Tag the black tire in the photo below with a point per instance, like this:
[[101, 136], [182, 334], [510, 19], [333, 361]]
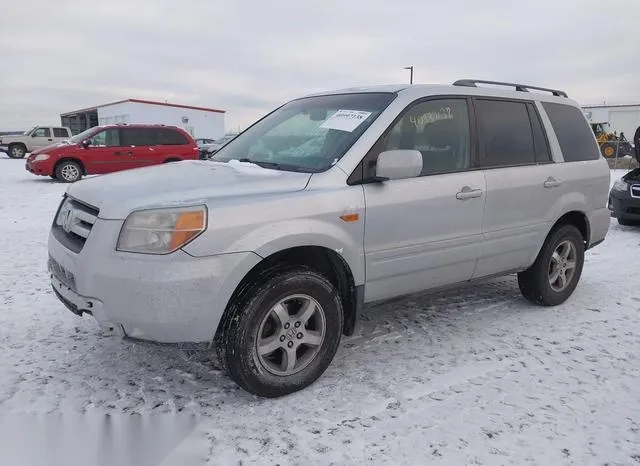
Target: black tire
[[608, 150], [534, 282], [17, 151], [628, 223], [237, 338], [68, 171]]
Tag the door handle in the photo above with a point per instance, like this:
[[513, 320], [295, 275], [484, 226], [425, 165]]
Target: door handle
[[49, 139], [468, 193], [552, 182], [122, 153]]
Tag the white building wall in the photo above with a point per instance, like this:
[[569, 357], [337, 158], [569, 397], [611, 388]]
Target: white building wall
[[621, 119], [198, 123]]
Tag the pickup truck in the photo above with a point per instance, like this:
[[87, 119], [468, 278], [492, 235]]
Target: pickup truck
[[17, 146]]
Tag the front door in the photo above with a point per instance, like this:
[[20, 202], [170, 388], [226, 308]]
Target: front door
[[105, 153], [425, 232], [41, 137]]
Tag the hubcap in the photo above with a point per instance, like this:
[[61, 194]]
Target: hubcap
[[70, 172], [291, 334], [17, 151], [562, 267]]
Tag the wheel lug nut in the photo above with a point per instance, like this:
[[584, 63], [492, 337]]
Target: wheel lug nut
[[287, 325], [282, 338], [299, 335], [298, 324], [290, 344]]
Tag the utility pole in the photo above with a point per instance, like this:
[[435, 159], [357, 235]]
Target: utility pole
[[411, 73]]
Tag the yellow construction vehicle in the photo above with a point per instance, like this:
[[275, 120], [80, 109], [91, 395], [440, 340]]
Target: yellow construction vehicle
[[610, 143]]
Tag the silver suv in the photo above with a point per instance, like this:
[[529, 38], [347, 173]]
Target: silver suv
[[270, 251]]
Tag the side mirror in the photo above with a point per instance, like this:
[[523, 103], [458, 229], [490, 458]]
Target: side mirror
[[399, 164], [86, 143]]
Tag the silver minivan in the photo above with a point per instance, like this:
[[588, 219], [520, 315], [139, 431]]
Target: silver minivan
[[269, 252]]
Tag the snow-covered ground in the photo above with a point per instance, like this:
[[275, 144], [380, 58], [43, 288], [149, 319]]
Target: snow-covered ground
[[473, 376]]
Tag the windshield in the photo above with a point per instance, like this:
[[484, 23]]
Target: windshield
[[28, 132], [86, 134], [308, 135]]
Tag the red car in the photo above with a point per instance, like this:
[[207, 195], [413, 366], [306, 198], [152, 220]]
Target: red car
[[106, 149]]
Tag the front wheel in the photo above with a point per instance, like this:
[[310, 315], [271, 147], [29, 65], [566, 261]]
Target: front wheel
[[282, 333], [555, 274], [68, 171]]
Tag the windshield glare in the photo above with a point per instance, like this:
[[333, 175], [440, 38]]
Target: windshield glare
[[86, 134], [309, 134]]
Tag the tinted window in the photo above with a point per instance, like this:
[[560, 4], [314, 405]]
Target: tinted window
[[170, 137], [574, 134], [107, 138], [42, 133], [543, 154], [439, 129], [60, 133], [139, 137], [505, 132]]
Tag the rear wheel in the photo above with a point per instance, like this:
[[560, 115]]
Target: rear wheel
[[555, 274], [17, 151], [68, 171], [281, 334]]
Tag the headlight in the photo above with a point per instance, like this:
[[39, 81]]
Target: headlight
[[161, 231], [41, 157], [620, 185]]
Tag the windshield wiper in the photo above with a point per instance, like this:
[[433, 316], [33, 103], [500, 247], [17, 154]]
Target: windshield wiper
[[277, 166]]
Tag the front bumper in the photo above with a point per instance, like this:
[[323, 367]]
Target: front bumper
[[176, 298], [37, 168], [622, 205]]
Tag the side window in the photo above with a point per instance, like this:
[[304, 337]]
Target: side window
[[543, 153], [42, 133], [505, 133], [139, 137], [573, 132], [170, 137], [60, 133], [439, 129], [106, 138]]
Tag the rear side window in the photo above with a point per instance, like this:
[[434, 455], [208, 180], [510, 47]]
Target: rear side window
[[505, 133], [60, 133], [139, 137], [170, 137], [574, 134]]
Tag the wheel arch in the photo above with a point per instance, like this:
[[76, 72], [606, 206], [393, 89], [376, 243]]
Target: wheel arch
[[323, 260]]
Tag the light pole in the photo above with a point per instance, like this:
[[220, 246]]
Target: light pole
[[411, 73]]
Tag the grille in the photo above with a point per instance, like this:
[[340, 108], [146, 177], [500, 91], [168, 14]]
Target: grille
[[73, 223], [635, 190]]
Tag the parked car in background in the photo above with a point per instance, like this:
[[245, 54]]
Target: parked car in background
[[106, 149], [624, 198], [205, 145], [269, 252], [18, 146], [215, 146]]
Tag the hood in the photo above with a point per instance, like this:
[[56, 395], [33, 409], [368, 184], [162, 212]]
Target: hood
[[181, 183], [50, 149]]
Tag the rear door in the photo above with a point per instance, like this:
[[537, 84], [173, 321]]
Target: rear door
[[40, 137], [522, 183], [140, 147]]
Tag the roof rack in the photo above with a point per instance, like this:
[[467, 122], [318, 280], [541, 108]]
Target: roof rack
[[519, 87]]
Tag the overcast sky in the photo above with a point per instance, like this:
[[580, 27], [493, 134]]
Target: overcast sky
[[248, 56]]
